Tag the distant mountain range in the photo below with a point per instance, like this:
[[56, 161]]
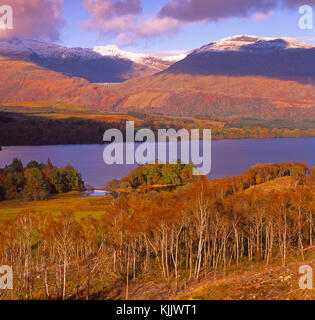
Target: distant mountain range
[[240, 76], [98, 64]]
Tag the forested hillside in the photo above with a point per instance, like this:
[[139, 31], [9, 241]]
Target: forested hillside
[[169, 237]]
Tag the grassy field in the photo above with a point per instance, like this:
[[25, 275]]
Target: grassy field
[[74, 201]]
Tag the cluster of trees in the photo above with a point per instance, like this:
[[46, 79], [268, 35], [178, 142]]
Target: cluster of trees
[[171, 175], [175, 235], [37, 181]]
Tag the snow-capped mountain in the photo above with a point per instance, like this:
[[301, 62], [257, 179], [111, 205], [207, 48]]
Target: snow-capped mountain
[[98, 64], [249, 55], [247, 42], [237, 55]]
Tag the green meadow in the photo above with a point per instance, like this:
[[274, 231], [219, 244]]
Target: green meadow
[[73, 201]]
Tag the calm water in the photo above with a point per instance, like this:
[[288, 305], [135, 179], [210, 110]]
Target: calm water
[[229, 157]]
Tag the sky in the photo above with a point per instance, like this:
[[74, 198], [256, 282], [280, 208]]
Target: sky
[[154, 25]]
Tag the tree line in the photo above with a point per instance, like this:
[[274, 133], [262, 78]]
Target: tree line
[[19, 129]]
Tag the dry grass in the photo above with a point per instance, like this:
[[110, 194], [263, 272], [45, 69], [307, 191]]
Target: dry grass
[[261, 283], [280, 184], [249, 281]]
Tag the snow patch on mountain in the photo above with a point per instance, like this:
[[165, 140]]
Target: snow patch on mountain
[[138, 57]]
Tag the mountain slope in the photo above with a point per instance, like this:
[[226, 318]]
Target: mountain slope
[[241, 76], [23, 81], [220, 97]]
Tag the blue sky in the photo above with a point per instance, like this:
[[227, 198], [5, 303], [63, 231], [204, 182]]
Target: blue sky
[[189, 36], [72, 35], [154, 25]]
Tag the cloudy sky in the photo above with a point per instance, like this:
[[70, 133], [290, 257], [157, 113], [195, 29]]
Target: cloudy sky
[[154, 25]]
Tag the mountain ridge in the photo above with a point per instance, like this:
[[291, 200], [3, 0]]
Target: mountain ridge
[[248, 81], [97, 64]]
